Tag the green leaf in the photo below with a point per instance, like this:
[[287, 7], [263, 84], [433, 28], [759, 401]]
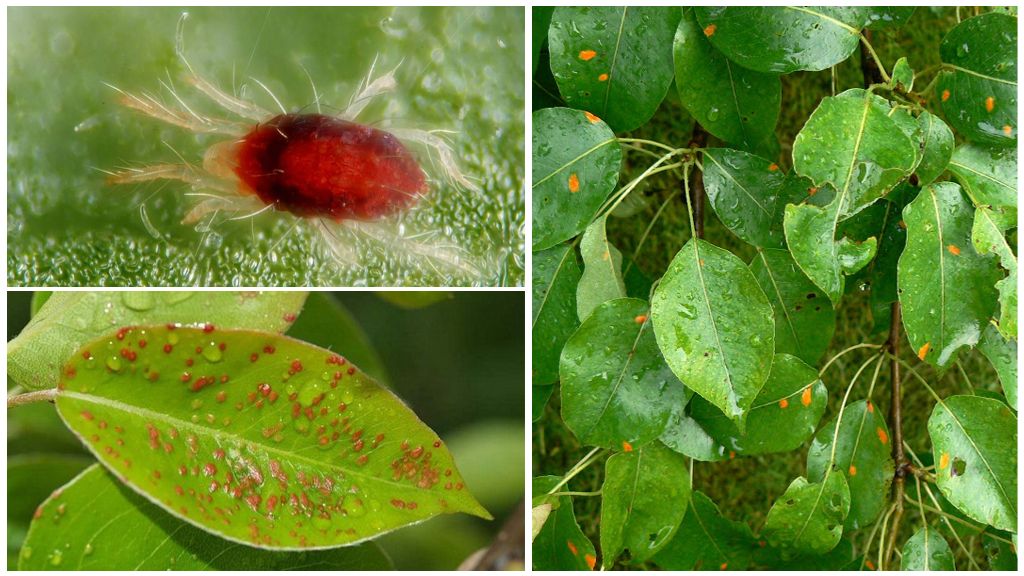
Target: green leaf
[[541, 21], [95, 523], [975, 446], [616, 388], [227, 422], [686, 436], [707, 540], [784, 415], [644, 498], [946, 287], [1001, 555], [987, 174], [576, 161], [851, 142], [927, 550], [412, 300], [937, 151], [1002, 353], [888, 16], [811, 235], [540, 396], [784, 39], [715, 327], [989, 236], [862, 454], [326, 323], [602, 272], [978, 85], [69, 319], [808, 517], [747, 194], [555, 276], [560, 544], [734, 104], [804, 318], [615, 62], [903, 75]]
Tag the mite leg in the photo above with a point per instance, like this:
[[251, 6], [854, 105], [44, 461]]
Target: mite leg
[[242, 108], [152, 107], [443, 151], [339, 241], [213, 203], [443, 258], [368, 90]]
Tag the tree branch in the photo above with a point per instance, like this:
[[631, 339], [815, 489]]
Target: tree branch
[[896, 428]]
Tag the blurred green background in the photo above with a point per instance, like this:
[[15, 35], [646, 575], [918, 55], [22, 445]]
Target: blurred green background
[[464, 378], [462, 70]]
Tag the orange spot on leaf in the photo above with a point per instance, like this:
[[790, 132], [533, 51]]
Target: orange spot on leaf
[[990, 104], [783, 403], [953, 249], [944, 461], [574, 183], [732, 454], [805, 398], [586, 55], [924, 350], [709, 30], [871, 408], [572, 548], [1008, 130], [773, 167], [626, 446], [593, 119], [602, 78], [853, 470], [869, 564], [723, 566], [640, 319], [945, 95], [591, 560], [883, 437], [812, 191]]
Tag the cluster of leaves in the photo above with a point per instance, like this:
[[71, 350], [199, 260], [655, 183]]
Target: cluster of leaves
[[211, 440], [907, 193]]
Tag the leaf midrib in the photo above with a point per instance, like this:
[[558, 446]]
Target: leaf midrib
[[782, 303], [711, 316], [736, 182], [573, 161], [544, 300], [615, 57], [942, 272], [999, 182], [826, 18], [618, 381]]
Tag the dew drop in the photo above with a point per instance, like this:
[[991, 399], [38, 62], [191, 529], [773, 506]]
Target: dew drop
[[88, 550], [114, 364], [57, 557], [138, 301], [212, 353]]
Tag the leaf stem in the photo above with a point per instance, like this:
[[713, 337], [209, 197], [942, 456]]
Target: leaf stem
[[653, 143], [843, 352], [866, 43], [689, 207], [594, 493], [586, 461], [29, 397]]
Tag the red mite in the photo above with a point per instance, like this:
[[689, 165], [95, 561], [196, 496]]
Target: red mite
[[316, 165]]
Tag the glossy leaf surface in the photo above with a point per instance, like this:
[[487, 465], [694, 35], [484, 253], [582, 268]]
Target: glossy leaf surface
[[560, 544], [686, 436], [938, 148], [939, 261], [1002, 354], [615, 62], [808, 517], [327, 323], [989, 237], [735, 104], [69, 319], [903, 75], [715, 327], [804, 318], [112, 528], [811, 233], [888, 16], [783, 416], [851, 142], [602, 270], [643, 500], [576, 161], [975, 446], [258, 438], [927, 550], [616, 388], [978, 86], [746, 192], [987, 174], [707, 540], [862, 454], [784, 39], [555, 276]]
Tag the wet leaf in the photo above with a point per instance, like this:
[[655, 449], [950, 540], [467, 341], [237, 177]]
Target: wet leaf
[[937, 151], [555, 276], [784, 39], [735, 104], [643, 500], [804, 318], [988, 174], [326, 323], [715, 327], [602, 270], [862, 454], [69, 319], [808, 517], [1000, 554], [707, 540], [851, 142], [616, 388], [109, 527], [540, 396], [747, 193], [258, 438], [938, 263], [989, 236], [903, 75], [541, 21], [783, 416], [978, 84], [615, 62], [686, 436], [560, 544], [927, 550], [576, 161], [888, 16], [1002, 353], [974, 441], [811, 233]]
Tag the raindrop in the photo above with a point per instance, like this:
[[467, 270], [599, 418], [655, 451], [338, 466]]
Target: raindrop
[[138, 301]]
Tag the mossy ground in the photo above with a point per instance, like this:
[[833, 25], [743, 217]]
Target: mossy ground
[[745, 488]]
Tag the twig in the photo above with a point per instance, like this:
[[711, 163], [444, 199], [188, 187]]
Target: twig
[[508, 550], [30, 397], [896, 424], [699, 140]]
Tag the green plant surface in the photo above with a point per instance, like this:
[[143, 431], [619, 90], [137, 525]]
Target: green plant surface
[[461, 70], [927, 550]]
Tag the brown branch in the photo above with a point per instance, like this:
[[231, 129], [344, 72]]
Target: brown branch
[[896, 428], [29, 397], [508, 550], [699, 140]]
